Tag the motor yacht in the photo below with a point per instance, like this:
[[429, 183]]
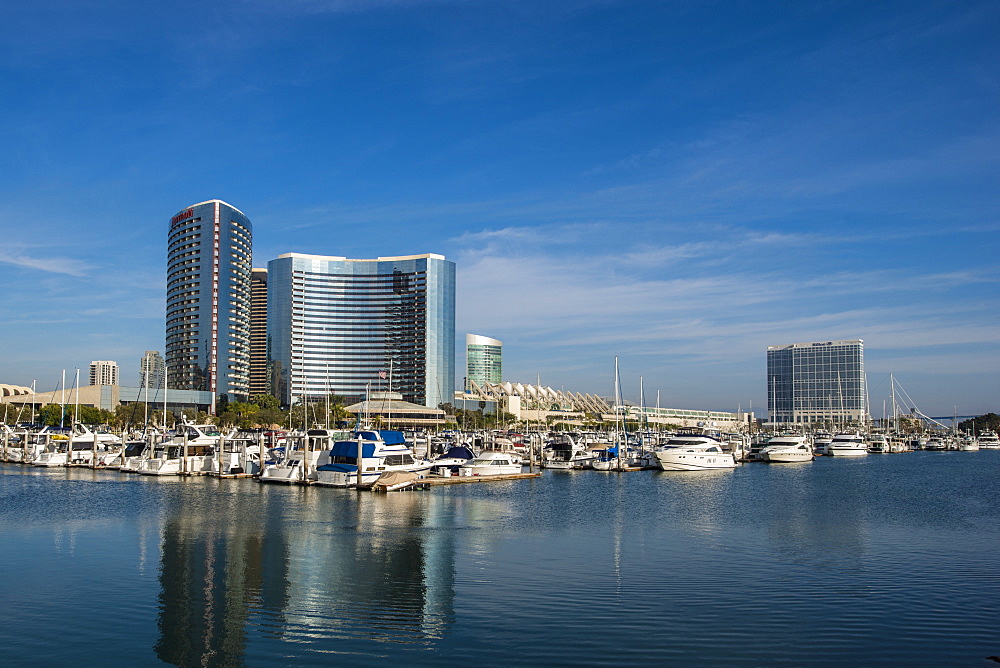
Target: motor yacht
[[449, 462], [787, 449], [935, 443], [989, 440], [564, 452], [821, 443], [490, 463], [190, 450], [848, 444], [297, 458], [878, 444], [381, 451], [968, 444], [694, 452]]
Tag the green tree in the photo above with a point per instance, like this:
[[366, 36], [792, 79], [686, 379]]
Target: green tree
[[990, 421], [266, 401]]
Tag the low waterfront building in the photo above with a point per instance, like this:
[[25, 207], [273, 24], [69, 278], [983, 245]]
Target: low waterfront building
[[13, 390], [388, 410], [110, 397], [536, 404]]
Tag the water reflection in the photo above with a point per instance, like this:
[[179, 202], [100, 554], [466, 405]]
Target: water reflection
[[215, 568], [308, 566]]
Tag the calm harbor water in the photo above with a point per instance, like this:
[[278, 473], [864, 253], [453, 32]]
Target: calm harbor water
[[882, 560]]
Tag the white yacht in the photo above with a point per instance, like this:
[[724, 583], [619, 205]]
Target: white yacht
[[989, 440], [60, 450], [84, 435], [821, 442], [878, 444], [968, 444], [381, 451], [787, 449], [295, 461], [563, 452], [848, 444], [490, 463], [448, 463], [694, 452], [935, 443], [191, 450]]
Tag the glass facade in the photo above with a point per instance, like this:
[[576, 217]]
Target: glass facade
[[817, 383], [483, 359], [208, 300], [337, 325]]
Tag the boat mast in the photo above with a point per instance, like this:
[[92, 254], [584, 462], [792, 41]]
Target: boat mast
[[164, 399], [619, 415], [62, 400]]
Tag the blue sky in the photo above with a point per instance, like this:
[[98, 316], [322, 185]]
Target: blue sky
[[680, 184]]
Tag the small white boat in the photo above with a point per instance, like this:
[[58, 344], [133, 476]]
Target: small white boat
[[848, 444], [391, 481], [490, 463], [694, 452], [787, 449]]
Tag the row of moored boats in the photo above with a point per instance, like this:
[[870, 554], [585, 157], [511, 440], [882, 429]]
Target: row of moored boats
[[372, 457]]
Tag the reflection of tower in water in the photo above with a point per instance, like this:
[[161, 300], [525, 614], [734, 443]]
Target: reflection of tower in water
[[218, 566], [327, 570], [382, 568]]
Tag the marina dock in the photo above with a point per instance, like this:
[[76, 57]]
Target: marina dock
[[459, 480]]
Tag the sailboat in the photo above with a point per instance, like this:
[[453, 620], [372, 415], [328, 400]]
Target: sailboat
[[616, 458]]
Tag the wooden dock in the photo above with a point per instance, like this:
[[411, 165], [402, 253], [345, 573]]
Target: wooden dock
[[460, 480]]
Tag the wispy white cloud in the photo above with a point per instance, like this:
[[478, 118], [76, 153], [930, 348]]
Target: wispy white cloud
[[50, 264]]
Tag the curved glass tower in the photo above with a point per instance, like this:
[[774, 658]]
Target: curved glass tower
[[208, 300], [483, 359], [338, 326]]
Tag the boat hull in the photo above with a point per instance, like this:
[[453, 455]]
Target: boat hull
[[787, 457], [848, 452], [686, 461]]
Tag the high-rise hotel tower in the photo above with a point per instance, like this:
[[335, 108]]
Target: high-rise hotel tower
[[340, 326], [208, 300]]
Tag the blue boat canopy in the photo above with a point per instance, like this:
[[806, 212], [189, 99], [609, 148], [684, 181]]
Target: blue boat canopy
[[350, 449], [392, 437], [459, 452]]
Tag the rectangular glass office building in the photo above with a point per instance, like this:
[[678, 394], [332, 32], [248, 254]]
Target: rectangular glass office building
[[817, 383], [341, 326]]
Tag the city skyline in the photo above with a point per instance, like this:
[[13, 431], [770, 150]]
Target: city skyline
[[678, 185]]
